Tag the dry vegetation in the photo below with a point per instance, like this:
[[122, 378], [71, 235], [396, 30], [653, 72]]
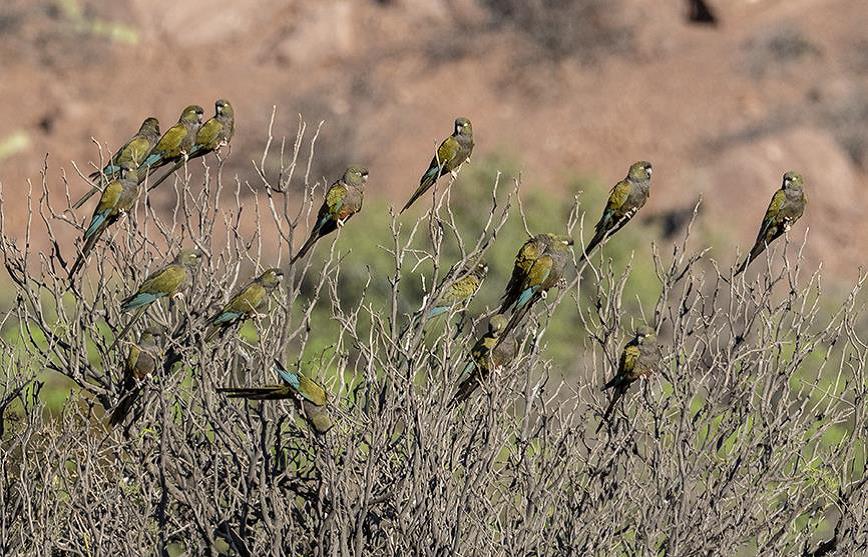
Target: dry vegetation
[[749, 440]]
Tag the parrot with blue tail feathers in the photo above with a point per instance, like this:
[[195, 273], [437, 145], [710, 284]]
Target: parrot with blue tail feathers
[[177, 143], [460, 291], [116, 200], [454, 150], [163, 283], [130, 156], [342, 200], [297, 386], [245, 302]]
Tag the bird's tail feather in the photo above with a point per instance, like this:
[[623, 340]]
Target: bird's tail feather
[[165, 176], [123, 407], [83, 199], [126, 329], [255, 393], [82, 257], [314, 236], [610, 408]]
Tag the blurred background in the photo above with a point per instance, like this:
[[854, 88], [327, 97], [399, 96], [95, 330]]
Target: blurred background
[[722, 96]]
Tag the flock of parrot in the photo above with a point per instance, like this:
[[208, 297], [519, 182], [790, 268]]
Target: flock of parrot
[[540, 263]]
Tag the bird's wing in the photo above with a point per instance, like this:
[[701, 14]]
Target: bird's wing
[[208, 135], [447, 151], [618, 196], [771, 216], [334, 200], [171, 141], [166, 280], [135, 151]]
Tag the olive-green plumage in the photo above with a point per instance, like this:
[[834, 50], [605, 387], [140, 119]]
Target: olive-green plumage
[[454, 150], [211, 136], [785, 208], [342, 200], [116, 199], [306, 392], [177, 142], [538, 266], [494, 349], [626, 198], [131, 155], [165, 282], [640, 357], [460, 291], [142, 361], [245, 302]]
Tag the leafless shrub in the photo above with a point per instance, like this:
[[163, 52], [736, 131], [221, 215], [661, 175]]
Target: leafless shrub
[[729, 446]]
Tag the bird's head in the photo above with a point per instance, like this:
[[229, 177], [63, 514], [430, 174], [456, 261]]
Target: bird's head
[[150, 126], [793, 181], [481, 270], [271, 277], [189, 257], [497, 323], [224, 108], [645, 334], [640, 171], [153, 333], [463, 127], [559, 241], [356, 175], [193, 114], [130, 171]]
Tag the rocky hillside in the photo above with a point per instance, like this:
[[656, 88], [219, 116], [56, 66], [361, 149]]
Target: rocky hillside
[[563, 87]]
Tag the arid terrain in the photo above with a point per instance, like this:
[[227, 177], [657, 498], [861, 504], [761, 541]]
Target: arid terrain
[[564, 89]]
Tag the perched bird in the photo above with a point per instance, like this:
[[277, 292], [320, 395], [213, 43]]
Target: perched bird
[[296, 386], [454, 150], [342, 200], [178, 140], [165, 282], [786, 207], [117, 199], [538, 266], [640, 357], [491, 351], [245, 302], [142, 361], [214, 134], [459, 291], [131, 155], [625, 200]]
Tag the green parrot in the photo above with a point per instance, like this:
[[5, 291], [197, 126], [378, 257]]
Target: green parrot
[[786, 207], [492, 350], [212, 135], [116, 200], [640, 357], [625, 200], [131, 155], [178, 140], [142, 361], [454, 150], [459, 291], [538, 266], [165, 282], [296, 386], [245, 302], [342, 200]]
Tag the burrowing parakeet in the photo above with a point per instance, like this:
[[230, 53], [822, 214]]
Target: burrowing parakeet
[[306, 392], [178, 140], [131, 155], [245, 302], [342, 200], [116, 199], [625, 200], [459, 291], [640, 357], [539, 265], [212, 135], [142, 361], [785, 208], [454, 150], [165, 282], [491, 351]]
